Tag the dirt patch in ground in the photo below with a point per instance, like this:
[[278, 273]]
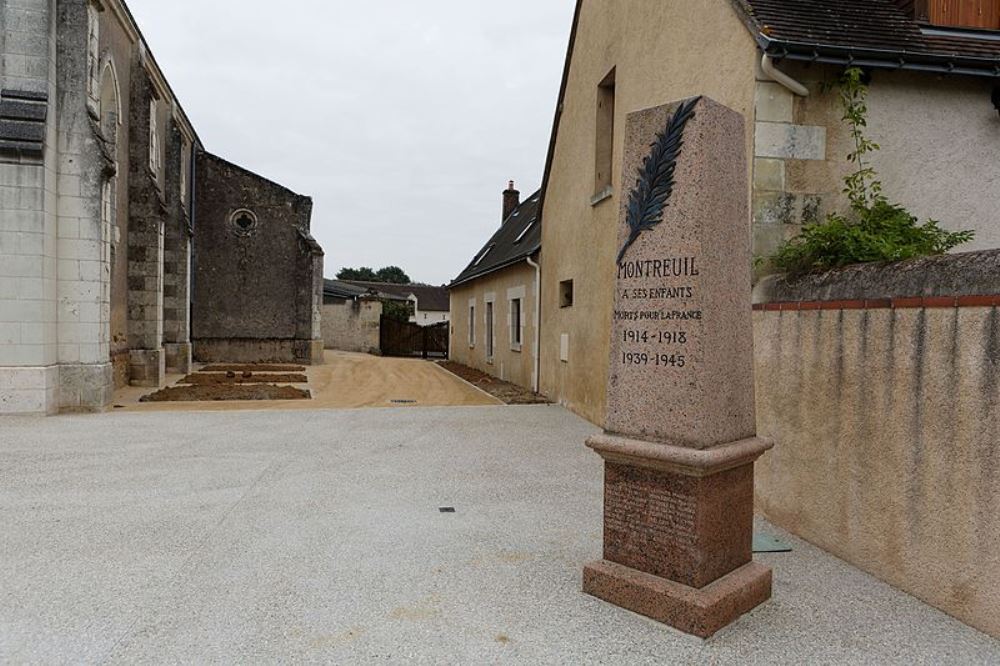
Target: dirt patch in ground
[[212, 378], [252, 367], [220, 392], [512, 394]]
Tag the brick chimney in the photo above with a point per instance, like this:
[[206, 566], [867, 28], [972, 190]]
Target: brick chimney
[[511, 200]]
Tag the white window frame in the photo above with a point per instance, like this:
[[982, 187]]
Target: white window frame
[[93, 52], [515, 329], [490, 327], [185, 170], [154, 139], [472, 323]]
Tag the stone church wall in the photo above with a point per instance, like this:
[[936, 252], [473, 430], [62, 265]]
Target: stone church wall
[[258, 273]]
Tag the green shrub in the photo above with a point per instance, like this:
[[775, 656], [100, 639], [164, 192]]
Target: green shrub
[[874, 229]]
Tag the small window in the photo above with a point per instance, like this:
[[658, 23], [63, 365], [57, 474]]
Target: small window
[[531, 225], [154, 140], [482, 255], [489, 331], [472, 326], [566, 294], [185, 171], [93, 51], [605, 135], [515, 324], [243, 223]]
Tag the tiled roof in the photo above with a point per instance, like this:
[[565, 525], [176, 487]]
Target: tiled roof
[[519, 237], [871, 33]]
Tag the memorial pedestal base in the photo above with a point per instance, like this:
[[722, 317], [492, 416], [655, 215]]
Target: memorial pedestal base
[[678, 532], [698, 612]]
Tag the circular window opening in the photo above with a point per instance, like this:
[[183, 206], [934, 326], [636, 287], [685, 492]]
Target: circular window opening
[[244, 223]]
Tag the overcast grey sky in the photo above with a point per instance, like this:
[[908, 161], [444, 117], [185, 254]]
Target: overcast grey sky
[[402, 119]]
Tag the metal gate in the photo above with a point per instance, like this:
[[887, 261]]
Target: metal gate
[[401, 338]]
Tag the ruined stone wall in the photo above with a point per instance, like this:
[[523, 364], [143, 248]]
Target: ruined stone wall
[[258, 274], [880, 386], [352, 326]]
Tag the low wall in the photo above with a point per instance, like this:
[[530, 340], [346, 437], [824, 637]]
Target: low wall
[[880, 386], [352, 326], [253, 350]]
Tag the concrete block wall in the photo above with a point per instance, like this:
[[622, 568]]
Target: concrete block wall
[[880, 386]]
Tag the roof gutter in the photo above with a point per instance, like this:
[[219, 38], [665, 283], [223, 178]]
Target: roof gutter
[[536, 371], [767, 65], [875, 58]]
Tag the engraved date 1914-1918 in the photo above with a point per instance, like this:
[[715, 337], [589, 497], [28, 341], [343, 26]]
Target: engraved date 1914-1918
[[657, 360], [656, 337]]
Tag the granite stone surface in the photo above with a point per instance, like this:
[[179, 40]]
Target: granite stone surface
[[700, 613], [692, 530], [682, 338], [680, 442]]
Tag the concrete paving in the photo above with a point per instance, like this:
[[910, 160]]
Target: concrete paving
[[316, 536]]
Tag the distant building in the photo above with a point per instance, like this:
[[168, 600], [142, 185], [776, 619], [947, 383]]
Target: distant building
[[119, 234], [933, 101], [428, 304], [494, 301]]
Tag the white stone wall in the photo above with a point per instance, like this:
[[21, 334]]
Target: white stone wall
[[28, 223], [54, 268]]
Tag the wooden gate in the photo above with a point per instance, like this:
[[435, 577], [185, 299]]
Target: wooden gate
[[401, 338]]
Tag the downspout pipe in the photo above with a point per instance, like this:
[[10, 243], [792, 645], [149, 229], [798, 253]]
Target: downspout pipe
[[538, 324], [776, 75]]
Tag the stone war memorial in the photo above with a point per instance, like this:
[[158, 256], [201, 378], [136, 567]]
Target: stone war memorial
[[679, 444]]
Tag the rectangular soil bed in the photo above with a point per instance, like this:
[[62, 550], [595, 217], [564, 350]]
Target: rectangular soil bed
[[512, 394], [213, 378], [253, 367], [221, 392]]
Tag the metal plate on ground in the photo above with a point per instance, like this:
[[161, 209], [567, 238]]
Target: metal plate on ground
[[765, 543]]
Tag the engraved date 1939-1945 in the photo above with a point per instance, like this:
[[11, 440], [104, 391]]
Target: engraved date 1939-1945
[[658, 360]]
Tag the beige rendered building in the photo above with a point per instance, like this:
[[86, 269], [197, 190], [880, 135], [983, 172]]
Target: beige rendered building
[[494, 301], [930, 108]]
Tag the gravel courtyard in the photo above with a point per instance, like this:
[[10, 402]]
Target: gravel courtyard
[[316, 536]]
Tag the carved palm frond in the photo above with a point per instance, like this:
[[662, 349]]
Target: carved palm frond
[[656, 179]]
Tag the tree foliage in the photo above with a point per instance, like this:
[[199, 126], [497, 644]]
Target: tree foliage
[[874, 229], [389, 274]]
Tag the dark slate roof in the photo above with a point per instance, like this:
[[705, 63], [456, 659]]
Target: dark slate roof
[[429, 297], [345, 290], [868, 33], [518, 238]]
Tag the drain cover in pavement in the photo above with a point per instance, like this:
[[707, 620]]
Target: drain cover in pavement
[[403, 402], [446, 509], [764, 543]]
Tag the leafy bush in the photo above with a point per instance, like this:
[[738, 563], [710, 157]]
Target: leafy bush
[[874, 229]]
